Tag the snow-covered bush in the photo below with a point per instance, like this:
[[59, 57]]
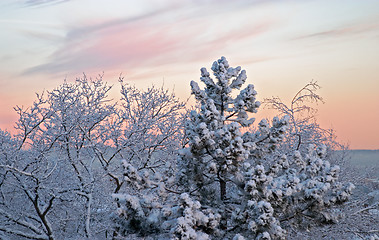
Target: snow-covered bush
[[150, 209]]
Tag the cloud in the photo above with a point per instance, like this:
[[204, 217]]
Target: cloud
[[343, 31], [42, 3], [164, 36], [85, 30]]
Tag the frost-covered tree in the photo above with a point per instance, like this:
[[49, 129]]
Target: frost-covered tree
[[303, 127], [25, 202], [238, 182], [148, 134], [60, 168], [151, 128], [53, 171]]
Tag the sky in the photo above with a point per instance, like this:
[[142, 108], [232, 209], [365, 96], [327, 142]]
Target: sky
[[282, 45]]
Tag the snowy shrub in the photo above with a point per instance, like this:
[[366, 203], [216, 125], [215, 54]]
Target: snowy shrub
[[150, 211]]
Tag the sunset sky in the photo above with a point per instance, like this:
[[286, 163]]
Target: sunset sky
[[282, 45]]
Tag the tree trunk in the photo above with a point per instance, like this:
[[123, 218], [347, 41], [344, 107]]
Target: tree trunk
[[222, 189], [224, 221]]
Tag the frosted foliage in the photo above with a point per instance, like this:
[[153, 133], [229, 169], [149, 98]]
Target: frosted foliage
[[150, 212], [291, 187], [141, 210], [192, 219], [238, 237]]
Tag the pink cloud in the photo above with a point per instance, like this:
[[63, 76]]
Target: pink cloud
[[161, 37]]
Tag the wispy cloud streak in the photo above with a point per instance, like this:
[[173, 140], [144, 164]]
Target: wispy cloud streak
[[145, 40], [42, 3], [343, 31]]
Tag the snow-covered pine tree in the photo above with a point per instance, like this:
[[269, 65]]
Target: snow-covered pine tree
[[216, 145], [233, 185], [261, 185]]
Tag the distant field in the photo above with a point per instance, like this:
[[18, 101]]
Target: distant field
[[364, 158], [366, 162]]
